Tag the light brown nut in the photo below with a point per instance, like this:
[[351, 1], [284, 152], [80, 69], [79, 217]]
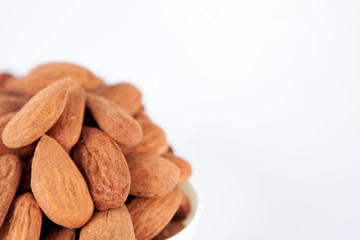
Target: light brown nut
[[3, 78], [141, 115], [11, 103], [58, 186], [10, 84], [46, 74], [151, 215], [153, 142], [37, 116], [174, 227], [125, 95], [60, 233], [183, 165], [152, 176], [24, 185], [108, 225], [23, 152], [23, 221], [184, 208], [67, 129], [104, 168], [113, 120], [10, 173]]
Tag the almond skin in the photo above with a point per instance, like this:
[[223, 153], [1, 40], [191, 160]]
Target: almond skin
[[183, 165], [10, 84], [46, 74], [108, 225], [151, 215], [11, 103], [67, 129], [114, 121], [104, 168], [174, 227], [23, 152], [23, 221], [60, 233], [125, 95], [152, 176], [58, 186], [10, 173], [37, 116], [153, 142]]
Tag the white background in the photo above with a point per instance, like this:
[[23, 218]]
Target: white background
[[262, 97]]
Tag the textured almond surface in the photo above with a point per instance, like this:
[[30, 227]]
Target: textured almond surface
[[113, 120], [46, 74], [125, 95], [109, 225], [58, 186], [184, 208], [11, 103], [152, 176], [60, 233], [23, 152], [23, 221], [10, 173], [170, 230], [67, 129], [153, 142], [104, 167], [183, 165], [151, 215], [37, 116]]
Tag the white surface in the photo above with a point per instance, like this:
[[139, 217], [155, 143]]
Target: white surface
[[262, 97]]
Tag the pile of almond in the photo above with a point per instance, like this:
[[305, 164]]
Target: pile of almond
[[80, 159]]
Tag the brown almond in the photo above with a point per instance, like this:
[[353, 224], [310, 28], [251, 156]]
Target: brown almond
[[10, 84], [152, 176], [60, 233], [37, 116], [113, 120], [108, 225], [10, 173], [11, 103], [67, 129], [184, 208], [183, 165], [153, 142], [46, 74], [104, 168], [23, 152], [58, 186], [125, 95], [151, 215], [23, 221], [4, 77], [174, 227]]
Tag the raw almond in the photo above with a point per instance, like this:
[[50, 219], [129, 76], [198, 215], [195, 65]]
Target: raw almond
[[11, 103], [108, 225], [152, 176], [58, 186], [23, 221], [10, 84], [125, 95], [37, 116], [60, 233], [23, 152], [153, 142], [183, 165], [104, 167], [67, 129], [151, 215], [46, 74], [114, 120], [10, 173], [184, 208], [174, 227]]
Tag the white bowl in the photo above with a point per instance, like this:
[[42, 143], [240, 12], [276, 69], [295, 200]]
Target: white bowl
[[192, 219]]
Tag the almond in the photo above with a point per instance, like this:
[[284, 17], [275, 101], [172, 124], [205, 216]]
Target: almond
[[125, 95], [10, 173], [153, 142], [23, 152], [108, 225], [183, 165], [174, 227], [23, 221], [60, 233], [67, 129], [113, 120], [46, 74], [152, 176], [58, 186], [10, 84], [151, 215], [11, 103], [104, 167], [184, 208], [37, 116]]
